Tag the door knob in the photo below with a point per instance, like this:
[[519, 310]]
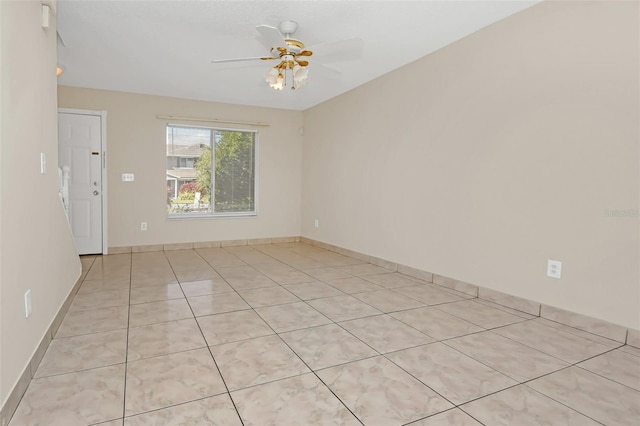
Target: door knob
[[95, 192]]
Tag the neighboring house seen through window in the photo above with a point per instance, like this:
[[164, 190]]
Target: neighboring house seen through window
[[210, 172]]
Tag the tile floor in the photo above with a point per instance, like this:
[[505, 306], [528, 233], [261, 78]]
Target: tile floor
[[290, 334]]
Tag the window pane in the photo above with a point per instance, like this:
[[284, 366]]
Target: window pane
[[234, 172], [187, 191]]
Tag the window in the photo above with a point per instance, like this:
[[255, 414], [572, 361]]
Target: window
[[186, 162], [200, 159]]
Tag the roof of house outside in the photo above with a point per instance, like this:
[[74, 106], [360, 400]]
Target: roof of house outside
[[182, 174], [184, 150]]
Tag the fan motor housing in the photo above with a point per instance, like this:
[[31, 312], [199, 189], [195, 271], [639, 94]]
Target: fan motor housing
[[288, 27]]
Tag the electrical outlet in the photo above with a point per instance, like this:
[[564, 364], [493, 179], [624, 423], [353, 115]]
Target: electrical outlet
[[554, 268], [27, 303], [128, 177], [316, 223], [143, 226]]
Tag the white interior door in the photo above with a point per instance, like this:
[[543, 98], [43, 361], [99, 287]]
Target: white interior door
[[80, 148]]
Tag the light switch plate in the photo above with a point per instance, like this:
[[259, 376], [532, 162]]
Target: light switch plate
[[27, 303], [43, 163], [554, 268]]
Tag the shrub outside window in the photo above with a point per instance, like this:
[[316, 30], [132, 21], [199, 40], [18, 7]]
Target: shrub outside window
[[210, 172]]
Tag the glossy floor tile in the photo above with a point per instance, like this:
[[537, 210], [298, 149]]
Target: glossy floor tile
[[166, 380], [436, 323], [104, 299], [393, 280], [452, 374], [292, 316], [327, 274], [285, 276], [217, 411], [602, 399], [232, 326], [388, 301], [100, 319], [428, 295], [313, 290], [93, 286], [156, 312], [566, 346], [479, 314], [164, 338], [87, 351], [617, 365], [217, 303], [326, 346], [301, 400], [256, 361], [352, 285], [342, 308], [379, 392], [268, 296], [523, 406], [156, 293], [83, 397], [453, 417], [385, 333], [204, 287], [517, 361], [292, 334]]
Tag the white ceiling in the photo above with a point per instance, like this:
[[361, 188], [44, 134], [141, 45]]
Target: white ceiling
[[166, 47]]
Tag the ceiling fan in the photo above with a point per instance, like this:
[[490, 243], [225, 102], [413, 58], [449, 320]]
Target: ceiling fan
[[292, 55]]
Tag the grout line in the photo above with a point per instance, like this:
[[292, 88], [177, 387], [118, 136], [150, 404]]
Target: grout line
[[600, 375], [126, 348], [168, 406], [555, 400]]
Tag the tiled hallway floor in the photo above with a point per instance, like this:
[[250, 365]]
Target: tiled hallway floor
[[291, 334]]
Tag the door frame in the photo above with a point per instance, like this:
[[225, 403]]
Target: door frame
[[103, 192]]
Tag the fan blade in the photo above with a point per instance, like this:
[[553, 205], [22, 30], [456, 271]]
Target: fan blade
[[325, 72], [342, 50], [263, 58], [302, 63], [305, 53], [272, 36]]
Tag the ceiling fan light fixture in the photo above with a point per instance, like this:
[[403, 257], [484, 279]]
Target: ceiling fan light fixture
[[275, 79], [300, 75], [279, 83], [272, 75], [278, 76]]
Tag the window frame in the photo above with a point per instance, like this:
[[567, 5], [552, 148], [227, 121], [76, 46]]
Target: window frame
[[212, 214]]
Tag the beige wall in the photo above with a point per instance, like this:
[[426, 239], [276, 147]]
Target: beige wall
[[136, 144], [36, 249], [492, 155]]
